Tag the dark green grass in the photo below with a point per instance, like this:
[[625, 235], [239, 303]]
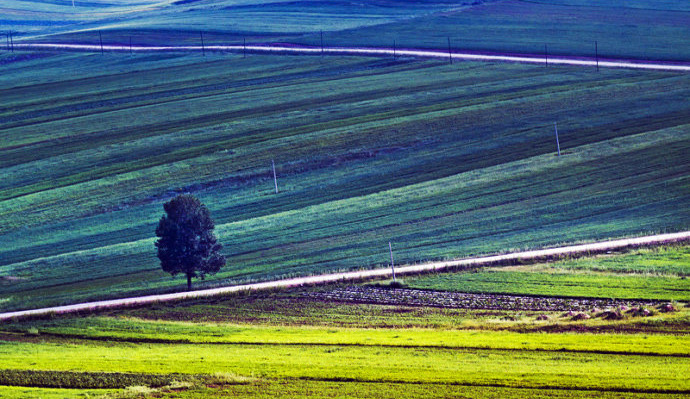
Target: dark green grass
[[671, 260], [336, 389], [561, 284], [444, 161], [658, 274], [88, 380]]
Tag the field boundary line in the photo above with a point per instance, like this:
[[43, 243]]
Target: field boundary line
[[582, 61], [183, 341], [532, 255]]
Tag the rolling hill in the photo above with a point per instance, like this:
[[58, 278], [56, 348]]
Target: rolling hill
[[442, 160]]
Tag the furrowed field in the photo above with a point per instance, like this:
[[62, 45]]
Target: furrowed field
[[442, 160], [296, 343]]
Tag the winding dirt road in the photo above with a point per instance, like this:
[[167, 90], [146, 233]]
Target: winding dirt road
[[358, 275], [373, 51]]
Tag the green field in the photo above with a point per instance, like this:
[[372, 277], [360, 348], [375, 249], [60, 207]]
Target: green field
[[284, 343], [643, 29], [442, 160], [251, 359], [656, 274], [563, 284], [528, 369]]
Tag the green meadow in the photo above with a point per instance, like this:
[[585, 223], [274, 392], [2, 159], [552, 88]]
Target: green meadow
[[443, 161], [526, 369], [651, 274], [288, 344]]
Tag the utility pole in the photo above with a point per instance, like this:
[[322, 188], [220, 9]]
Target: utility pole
[[11, 42], [244, 47], [322, 43], [546, 56], [100, 39], [130, 45], [596, 53], [7, 35], [275, 178], [203, 50], [558, 145], [394, 56], [390, 248], [450, 55]]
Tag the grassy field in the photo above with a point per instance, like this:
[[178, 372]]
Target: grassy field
[[658, 274], [289, 344], [444, 161], [250, 360], [563, 284], [282, 343], [528, 369], [647, 29], [182, 19]]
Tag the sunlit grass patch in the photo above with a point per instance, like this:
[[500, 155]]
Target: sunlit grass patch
[[645, 274]]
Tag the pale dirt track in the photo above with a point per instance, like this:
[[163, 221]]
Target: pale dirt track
[[358, 275], [374, 51]]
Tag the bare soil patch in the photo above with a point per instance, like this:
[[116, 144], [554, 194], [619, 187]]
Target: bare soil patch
[[457, 300]]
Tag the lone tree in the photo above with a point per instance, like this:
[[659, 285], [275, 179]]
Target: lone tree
[[187, 244]]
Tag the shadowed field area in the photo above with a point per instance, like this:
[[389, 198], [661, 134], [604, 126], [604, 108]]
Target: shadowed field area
[[442, 160]]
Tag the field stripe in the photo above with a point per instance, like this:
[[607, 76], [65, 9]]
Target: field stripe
[[183, 341], [499, 385], [372, 51], [358, 275]]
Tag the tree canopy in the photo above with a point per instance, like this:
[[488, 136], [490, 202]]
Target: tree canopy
[[187, 243]]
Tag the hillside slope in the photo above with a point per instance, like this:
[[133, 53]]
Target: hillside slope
[[442, 160]]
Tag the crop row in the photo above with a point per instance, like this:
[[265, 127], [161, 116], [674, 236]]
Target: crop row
[[85, 379], [444, 161], [383, 364], [555, 282]]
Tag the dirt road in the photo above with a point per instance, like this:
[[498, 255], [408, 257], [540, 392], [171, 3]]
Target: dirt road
[[357, 275], [374, 51]]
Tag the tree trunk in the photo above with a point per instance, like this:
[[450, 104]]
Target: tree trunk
[[189, 282]]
